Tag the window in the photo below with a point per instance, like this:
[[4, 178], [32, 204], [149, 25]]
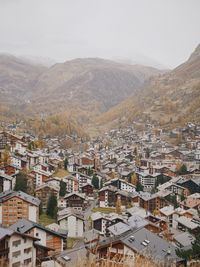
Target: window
[[16, 243], [27, 250], [16, 264], [16, 254], [27, 261]]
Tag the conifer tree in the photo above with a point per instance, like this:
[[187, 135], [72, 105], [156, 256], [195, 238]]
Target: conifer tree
[[95, 181], [62, 188], [139, 187], [66, 163], [21, 182], [52, 206]]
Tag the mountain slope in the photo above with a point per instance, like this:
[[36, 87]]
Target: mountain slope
[[17, 78], [90, 84], [75, 91], [82, 85], [171, 97]]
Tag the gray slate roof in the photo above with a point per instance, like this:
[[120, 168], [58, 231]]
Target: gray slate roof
[[184, 239], [7, 177], [119, 228], [70, 212], [5, 232], [144, 242], [136, 221], [10, 194], [24, 225]]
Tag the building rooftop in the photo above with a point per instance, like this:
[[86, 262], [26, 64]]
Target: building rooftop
[[23, 225], [81, 195], [5, 176], [191, 202], [136, 221], [187, 222], [184, 239], [62, 214], [137, 211], [6, 195], [49, 185], [146, 243], [119, 228], [167, 210]]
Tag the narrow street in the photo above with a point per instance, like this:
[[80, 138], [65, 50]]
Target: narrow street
[[88, 213]]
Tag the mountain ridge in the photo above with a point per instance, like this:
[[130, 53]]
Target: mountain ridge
[[173, 97], [102, 92], [91, 84]]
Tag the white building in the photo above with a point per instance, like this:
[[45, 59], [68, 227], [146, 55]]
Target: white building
[[7, 182], [121, 185], [20, 147], [72, 221], [148, 181], [17, 249], [46, 236]]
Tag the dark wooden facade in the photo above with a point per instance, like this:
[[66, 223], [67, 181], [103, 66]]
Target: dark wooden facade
[[75, 201]]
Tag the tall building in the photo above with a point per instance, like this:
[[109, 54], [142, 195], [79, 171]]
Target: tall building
[[18, 205]]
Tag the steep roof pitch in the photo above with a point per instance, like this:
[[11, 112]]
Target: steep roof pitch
[[74, 193], [69, 212], [144, 242], [4, 232], [23, 225], [7, 177], [6, 195]]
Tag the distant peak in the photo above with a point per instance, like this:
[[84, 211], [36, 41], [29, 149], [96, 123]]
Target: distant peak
[[195, 54], [91, 60]]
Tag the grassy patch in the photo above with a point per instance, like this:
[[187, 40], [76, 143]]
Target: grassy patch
[[104, 210], [60, 173], [45, 219]]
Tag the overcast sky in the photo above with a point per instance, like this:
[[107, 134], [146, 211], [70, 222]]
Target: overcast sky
[[163, 31]]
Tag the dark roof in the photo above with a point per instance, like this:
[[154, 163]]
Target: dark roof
[[146, 243], [4, 232], [5, 176], [4, 196], [70, 212], [24, 225], [74, 193], [108, 188], [87, 185]]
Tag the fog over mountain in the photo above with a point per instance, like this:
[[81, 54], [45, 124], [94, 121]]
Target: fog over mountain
[[164, 31], [91, 84], [90, 57]]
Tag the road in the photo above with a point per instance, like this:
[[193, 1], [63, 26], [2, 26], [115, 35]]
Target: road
[[88, 213]]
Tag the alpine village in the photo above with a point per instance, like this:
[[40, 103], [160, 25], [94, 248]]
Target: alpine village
[[99, 164]]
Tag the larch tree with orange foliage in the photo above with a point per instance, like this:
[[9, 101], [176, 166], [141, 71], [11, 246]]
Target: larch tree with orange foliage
[[118, 205], [134, 179]]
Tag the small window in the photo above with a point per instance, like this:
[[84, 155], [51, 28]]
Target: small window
[[27, 250], [16, 264], [27, 261], [16, 254], [16, 243]]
